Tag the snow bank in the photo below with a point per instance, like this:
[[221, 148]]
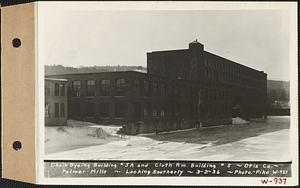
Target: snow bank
[[239, 121], [78, 134]]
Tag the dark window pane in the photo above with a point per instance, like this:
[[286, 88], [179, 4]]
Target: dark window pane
[[163, 90], [137, 85], [105, 87], [90, 109], [146, 110], [146, 88], [154, 111], [90, 87], [62, 89], [120, 87], [62, 109], [137, 111], [56, 89], [56, 109], [76, 86], [170, 90], [104, 109], [120, 109], [155, 89]]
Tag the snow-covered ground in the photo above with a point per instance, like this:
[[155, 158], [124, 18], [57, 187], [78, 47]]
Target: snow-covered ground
[[265, 140]]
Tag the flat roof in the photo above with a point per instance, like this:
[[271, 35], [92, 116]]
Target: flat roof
[[100, 72], [56, 79]]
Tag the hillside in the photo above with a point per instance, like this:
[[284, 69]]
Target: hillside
[[59, 69]]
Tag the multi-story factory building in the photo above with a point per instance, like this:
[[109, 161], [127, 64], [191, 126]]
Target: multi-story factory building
[[181, 88]]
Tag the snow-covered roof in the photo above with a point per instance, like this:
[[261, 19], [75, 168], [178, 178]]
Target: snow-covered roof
[[56, 79]]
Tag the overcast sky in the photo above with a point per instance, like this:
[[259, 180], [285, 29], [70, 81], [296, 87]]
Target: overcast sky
[[255, 38]]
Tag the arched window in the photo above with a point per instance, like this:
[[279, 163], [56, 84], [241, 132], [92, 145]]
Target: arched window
[[120, 87], [105, 87], [90, 87], [62, 89], [76, 86], [56, 89]]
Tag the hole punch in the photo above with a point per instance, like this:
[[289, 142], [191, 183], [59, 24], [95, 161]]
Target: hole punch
[[17, 145], [16, 42]]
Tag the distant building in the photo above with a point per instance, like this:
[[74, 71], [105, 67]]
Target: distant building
[[278, 94], [56, 103], [180, 89]]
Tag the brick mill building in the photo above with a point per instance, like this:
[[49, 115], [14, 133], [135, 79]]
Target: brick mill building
[[180, 88]]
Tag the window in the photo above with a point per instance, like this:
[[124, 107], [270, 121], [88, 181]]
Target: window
[[90, 109], [154, 111], [90, 87], [56, 89], [146, 87], [155, 89], [47, 91], [120, 87], [76, 86], [120, 109], [137, 85], [105, 87], [47, 110], [163, 90], [104, 109], [170, 90], [137, 111], [162, 111], [181, 91], [176, 110], [62, 89], [146, 110], [176, 91], [62, 109], [56, 110]]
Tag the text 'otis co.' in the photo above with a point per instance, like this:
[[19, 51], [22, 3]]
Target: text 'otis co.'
[[166, 168]]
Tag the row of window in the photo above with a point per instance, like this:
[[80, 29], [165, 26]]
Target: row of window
[[141, 89], [59, 90], [221, 76], [104, 87], [230, 67], [59, 110], [145, 87], [146, 110], [154, 88]]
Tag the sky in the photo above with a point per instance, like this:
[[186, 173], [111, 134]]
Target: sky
[[255, 38]]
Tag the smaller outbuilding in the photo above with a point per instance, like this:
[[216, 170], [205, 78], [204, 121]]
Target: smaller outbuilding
[[56, 99]]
